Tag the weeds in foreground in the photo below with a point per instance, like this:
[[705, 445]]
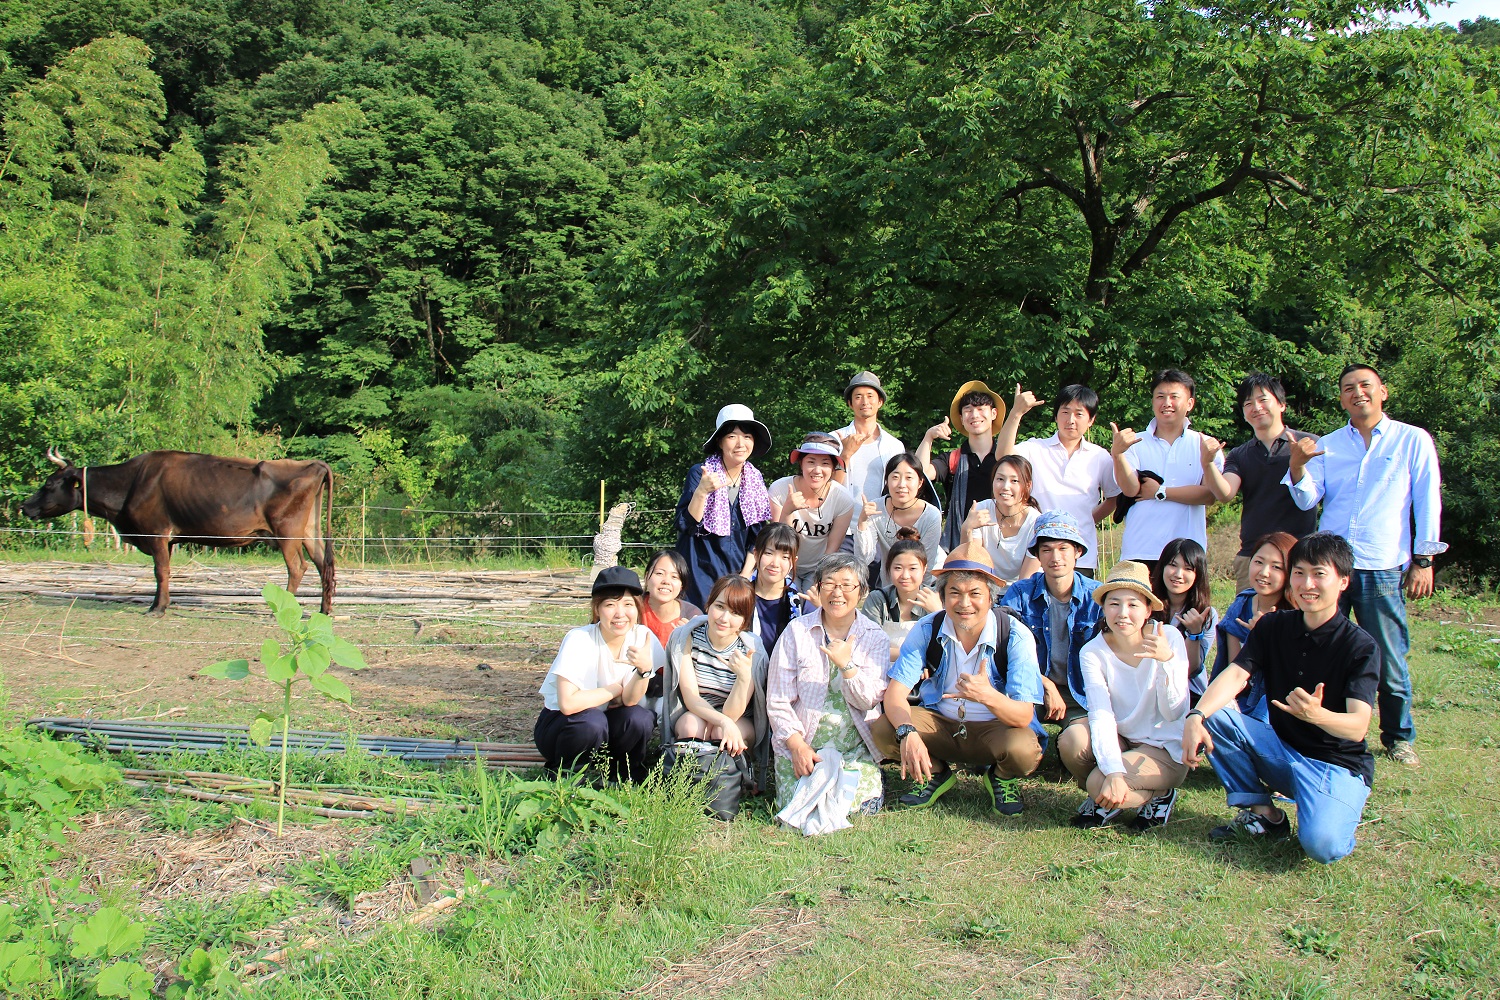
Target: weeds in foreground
[[363, 870]]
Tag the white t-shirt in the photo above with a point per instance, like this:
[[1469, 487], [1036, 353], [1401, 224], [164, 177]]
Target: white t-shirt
[[1145, 704], [1075, 483], [1007, 553], [814, 526], [865, 477], [1151, 524], [584, 659]]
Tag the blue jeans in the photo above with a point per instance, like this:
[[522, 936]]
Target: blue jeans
[[1252, 762], [1379, 606]]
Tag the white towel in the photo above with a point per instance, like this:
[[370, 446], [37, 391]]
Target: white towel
[[823, 800]]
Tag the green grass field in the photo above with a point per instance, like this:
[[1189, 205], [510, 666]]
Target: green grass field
[[956, 902]]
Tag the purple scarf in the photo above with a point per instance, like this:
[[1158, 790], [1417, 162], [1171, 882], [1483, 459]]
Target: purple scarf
[[755, 501]]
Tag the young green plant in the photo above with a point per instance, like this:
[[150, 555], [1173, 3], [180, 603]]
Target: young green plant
[[313, 649]]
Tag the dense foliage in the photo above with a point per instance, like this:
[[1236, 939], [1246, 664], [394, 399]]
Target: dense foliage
[[483, 254]]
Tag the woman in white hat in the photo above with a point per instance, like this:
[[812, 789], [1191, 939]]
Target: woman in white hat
[[1135, 680], [817, 507], [724, 502]]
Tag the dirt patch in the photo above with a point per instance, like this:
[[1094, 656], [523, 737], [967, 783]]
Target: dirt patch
[[118, 848], [780, 933], [470, 670]]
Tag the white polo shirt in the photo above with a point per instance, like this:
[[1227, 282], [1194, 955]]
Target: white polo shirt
[[866, 474], [1151, 524], [1075, 483]]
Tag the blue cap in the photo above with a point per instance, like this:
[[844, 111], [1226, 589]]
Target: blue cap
[[1060, 526]]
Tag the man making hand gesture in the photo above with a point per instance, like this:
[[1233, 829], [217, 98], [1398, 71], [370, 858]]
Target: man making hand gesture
[[1320, 673], [1376, 477]]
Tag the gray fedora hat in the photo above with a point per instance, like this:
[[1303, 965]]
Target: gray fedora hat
[[869, 379]]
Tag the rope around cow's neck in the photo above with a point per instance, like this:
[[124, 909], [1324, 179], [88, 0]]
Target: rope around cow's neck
[[88, 522]]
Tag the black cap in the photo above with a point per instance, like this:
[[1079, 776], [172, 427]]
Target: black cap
[[617, 578]]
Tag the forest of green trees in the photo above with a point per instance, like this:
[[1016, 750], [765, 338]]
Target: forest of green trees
[[483, 253]]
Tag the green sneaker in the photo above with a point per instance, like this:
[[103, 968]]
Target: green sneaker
[[921, 798], [1005, 793]]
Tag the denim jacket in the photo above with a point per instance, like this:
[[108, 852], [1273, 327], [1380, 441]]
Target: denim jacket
[[1029, 599]]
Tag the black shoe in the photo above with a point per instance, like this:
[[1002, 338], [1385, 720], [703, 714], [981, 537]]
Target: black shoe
[[1251, 825], [1154, 812], [929, 793], [1089, 816], [1005, 793]]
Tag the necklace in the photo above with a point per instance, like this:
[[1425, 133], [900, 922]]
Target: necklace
[[896, 507]]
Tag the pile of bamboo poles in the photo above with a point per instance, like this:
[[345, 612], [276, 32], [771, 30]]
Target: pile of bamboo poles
[[336, 803], [204, 737]]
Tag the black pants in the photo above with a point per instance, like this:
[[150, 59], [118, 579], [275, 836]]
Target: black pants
[[568, 741]]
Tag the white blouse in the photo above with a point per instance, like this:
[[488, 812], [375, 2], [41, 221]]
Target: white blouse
[[1145, 704]]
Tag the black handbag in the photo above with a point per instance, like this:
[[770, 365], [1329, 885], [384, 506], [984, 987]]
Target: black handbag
[[726, 779]]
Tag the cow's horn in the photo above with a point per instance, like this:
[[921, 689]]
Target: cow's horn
[[56, 459]]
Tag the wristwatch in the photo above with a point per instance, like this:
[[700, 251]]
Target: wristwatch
[[902, 732], [643, 674], [1161, 493], [1421, 562]]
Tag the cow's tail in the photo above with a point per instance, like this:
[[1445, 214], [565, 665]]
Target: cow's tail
[[326, 570]]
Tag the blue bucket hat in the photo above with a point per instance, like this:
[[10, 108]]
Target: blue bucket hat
[[1060, 526]]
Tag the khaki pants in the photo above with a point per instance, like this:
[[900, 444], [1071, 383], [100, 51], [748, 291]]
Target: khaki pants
[[1014, 753], [1148, 769], [1241, 573]]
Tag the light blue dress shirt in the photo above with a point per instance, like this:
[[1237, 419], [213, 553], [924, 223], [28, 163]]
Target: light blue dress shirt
[[1371, 496]]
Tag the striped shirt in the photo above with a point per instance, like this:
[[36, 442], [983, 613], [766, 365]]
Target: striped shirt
[[711, 666]]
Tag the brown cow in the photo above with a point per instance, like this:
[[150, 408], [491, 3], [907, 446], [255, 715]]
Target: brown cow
[[161, 498]]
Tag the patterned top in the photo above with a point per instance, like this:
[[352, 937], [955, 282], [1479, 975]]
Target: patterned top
[[797, 686], [711, 666]]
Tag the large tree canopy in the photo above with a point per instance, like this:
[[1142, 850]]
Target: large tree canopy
[[484, 254]]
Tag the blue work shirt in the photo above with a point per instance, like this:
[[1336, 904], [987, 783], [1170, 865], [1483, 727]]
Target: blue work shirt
[[1023, 681], [1372, 495], [1029, 598]]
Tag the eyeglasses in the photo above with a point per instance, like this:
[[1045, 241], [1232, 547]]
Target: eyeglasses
[[839, 588]]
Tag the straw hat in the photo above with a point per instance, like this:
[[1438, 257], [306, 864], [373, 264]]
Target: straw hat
[[741, 416], [1128, 575], [975, 385], [970, 557]]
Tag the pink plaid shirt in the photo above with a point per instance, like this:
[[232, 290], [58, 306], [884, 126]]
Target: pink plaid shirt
[[797, 686]]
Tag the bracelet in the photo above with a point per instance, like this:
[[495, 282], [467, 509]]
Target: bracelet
[[1195, 711], [1195, 636]]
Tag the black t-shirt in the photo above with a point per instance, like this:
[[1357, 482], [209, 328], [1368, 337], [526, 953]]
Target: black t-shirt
[[981, 483], [1339, 655], [1268, 503]]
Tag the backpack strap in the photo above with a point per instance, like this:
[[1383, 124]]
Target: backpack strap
[[1003, 616], [934, 658]]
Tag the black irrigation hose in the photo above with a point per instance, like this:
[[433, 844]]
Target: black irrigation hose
[[166, 738]]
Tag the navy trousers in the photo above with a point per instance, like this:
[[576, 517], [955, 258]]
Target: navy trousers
[[570, 741]]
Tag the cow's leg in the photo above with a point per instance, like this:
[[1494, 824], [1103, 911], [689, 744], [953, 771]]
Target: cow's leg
[[320, 551], [291, 551], [160, 550]]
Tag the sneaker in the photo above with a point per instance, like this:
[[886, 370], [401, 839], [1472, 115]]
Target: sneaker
[[1402, 752], [1005, 793], [1089, 816], [1251, 825], [1154, 812], [929, 793]]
